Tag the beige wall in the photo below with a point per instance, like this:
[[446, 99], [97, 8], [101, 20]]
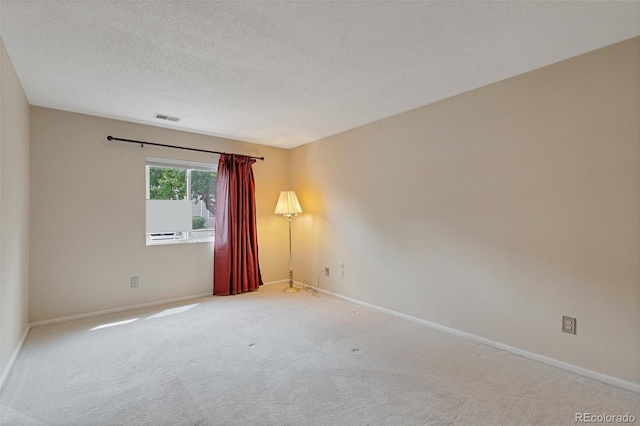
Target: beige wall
[[88, 216], [14, 210], [494, 212]]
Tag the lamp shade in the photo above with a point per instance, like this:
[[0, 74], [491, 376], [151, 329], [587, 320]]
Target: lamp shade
[[288, 203]]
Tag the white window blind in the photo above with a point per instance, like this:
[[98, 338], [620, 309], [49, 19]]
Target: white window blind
[[168, 216]]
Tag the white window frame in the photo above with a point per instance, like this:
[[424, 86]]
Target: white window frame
[[193, 236]]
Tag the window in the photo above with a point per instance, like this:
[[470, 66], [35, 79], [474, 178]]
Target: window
[[180, 201]]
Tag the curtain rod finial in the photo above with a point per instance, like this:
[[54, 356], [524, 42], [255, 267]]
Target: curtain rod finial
[[109, 138]]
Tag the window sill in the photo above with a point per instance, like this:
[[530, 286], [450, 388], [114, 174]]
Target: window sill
[[172, 242]]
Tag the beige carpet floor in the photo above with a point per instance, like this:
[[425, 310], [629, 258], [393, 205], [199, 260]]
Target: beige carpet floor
[[268, 358]]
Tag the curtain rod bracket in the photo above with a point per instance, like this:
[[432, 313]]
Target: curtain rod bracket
[[142, 143]]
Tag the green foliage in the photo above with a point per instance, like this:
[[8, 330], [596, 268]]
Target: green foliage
[[203, 188], [167, 184], [197, 222], [171, 184]]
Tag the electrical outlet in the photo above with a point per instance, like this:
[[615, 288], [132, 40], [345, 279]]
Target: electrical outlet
[[569, 325], [326, 271], [135, 282]]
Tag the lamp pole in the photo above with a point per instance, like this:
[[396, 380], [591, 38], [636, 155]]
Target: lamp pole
[[291, 288]]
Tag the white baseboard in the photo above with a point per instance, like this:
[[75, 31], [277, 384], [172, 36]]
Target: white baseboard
[[116, 310], [610, 380], [131, 307], [276, 282], [14, 356]]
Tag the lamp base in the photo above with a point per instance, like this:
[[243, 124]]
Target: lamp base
[[291, 288]]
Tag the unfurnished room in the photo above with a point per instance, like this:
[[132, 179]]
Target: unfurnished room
[[319, 212]]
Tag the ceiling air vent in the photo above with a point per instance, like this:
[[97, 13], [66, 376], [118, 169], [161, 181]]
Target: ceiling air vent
[[167, 118]]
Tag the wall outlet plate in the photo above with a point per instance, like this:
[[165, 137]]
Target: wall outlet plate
[[569, 325], [135, 282], [326, 272]]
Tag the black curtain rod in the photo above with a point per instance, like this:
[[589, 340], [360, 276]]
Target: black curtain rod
[[143, 143]]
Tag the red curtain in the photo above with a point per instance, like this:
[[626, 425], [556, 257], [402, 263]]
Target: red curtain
[[235, 259]]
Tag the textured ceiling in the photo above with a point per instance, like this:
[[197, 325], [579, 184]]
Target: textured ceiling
[[287, 73]]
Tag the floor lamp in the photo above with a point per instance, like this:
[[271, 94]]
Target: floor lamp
[[289, 207]]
